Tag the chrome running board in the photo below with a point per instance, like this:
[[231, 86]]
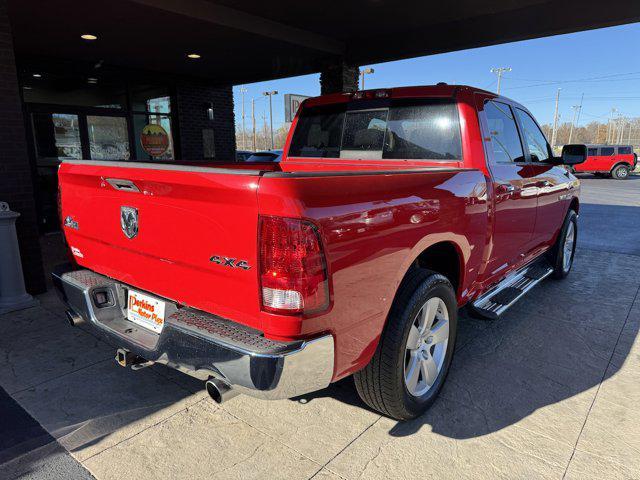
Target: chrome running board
[[498, 300]]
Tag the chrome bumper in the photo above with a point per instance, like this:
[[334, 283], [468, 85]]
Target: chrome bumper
[[200, 344]]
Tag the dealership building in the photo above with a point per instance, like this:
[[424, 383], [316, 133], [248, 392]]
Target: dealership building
[[135, 80]]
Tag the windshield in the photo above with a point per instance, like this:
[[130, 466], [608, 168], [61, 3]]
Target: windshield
[[428, 130]]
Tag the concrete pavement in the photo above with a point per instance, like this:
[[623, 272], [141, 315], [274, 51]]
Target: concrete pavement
[[552, 390]]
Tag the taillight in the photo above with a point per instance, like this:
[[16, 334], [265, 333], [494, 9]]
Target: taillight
[[293, 273]]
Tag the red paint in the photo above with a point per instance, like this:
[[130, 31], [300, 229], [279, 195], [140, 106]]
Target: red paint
[[371, 227], [597, 162]]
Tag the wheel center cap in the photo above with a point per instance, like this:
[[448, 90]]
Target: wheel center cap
[[429, 340]]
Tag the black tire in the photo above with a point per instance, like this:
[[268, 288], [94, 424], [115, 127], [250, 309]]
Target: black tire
[[557, 254], [381, 384], [620, 172]]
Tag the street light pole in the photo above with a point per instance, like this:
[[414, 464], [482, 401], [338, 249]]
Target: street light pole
[[366, 71], [270, 95]]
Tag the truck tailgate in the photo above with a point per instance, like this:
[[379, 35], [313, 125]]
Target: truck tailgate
[[186, 216]]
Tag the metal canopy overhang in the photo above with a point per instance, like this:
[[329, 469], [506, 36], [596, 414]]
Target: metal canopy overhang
[[247, 41]]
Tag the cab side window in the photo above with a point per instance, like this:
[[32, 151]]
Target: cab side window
[[505, 141], [534, 138]]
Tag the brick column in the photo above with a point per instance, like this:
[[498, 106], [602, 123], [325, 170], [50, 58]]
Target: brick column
[[202, 139], [16, 183], [339, 78]]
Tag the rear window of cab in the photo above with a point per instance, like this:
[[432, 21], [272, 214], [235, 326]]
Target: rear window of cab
[[416, 130]]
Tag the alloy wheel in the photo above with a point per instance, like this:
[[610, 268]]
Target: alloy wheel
[[426, 347], [567, 248]]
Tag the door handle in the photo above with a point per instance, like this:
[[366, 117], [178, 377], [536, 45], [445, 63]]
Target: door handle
[[506, 188]]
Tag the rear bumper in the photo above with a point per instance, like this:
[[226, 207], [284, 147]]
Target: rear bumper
[[200, 344]]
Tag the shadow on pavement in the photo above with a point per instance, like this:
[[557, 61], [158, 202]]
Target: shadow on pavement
[[552, 348]]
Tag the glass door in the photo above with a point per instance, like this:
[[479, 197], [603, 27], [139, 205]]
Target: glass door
[[56, 137]]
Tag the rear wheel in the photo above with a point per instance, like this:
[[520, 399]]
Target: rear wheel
[[564, 250], [413, 356], [620, 172]]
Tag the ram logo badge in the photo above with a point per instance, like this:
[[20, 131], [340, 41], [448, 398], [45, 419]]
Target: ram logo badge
[[129, 221], [230, 262]]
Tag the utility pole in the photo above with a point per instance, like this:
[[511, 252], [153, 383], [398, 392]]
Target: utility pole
[[499, 71], [253, 121], [580, 110], [264, 129], [609, 127], [244, 140], [270, 95], [366, 71], [622, 122], [576, 109], [554, 133]]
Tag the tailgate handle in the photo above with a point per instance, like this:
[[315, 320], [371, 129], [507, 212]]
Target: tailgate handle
[[126, 185]]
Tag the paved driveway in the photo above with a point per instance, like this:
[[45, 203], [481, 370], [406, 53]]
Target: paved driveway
[[550, 391]]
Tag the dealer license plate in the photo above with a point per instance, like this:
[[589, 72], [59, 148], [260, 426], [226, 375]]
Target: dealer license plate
[[145, 310]]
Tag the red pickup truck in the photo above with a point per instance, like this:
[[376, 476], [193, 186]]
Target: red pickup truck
[[389, 211]]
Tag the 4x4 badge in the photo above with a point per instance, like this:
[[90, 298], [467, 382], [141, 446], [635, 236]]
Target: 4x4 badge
[[129, 221], [230, 262]]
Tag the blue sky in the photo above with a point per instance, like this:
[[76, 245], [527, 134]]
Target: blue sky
[[601, 64]]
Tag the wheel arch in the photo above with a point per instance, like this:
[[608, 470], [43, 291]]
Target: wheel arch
[[575, 205], [617, 164], [444, 257]]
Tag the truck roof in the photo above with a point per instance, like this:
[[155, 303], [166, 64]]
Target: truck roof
[[439, 90]]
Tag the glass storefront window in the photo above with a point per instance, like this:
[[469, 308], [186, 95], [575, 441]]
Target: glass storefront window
[[150, 98], [152, 143], [57, 136], [108, 138]]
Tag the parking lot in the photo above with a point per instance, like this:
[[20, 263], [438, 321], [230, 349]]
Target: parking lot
[[552, 390]]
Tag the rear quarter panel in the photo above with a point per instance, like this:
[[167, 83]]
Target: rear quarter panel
[[373, 227]]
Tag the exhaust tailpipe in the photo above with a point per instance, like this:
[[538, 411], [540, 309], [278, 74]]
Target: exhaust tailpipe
[[73, 318], [219, 390]]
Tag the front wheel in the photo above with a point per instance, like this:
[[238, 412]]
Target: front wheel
[[621, 172], [565, 248], [415, 350]]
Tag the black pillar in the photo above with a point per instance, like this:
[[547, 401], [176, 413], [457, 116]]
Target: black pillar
[[203, 138], [339, 78], [16, 183]]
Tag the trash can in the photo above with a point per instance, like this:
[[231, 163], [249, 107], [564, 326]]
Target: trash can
[[13, 295]]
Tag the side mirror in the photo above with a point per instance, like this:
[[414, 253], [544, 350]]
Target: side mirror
[[573, 154]]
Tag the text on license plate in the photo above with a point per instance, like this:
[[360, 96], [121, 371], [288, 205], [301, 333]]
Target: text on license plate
[[145, 310]]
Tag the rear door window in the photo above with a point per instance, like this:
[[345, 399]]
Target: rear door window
[[607, 151], [402, 130], [505, 140]]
